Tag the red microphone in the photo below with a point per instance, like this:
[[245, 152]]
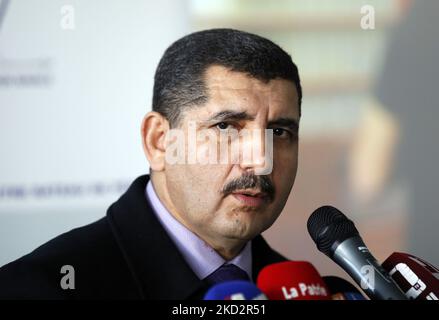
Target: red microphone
[[292, 280], [416, 277]]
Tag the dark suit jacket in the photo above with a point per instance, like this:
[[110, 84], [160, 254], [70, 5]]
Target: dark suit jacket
[[125, 255]]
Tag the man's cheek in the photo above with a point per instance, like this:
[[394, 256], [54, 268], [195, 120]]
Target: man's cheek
[[286, 186]]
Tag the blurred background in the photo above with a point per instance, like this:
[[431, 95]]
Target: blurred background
[[76, 79]]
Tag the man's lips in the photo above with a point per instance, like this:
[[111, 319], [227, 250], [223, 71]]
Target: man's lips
[[251, 198]]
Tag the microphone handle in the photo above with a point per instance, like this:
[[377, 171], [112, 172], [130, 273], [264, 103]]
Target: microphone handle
[[354, 257]]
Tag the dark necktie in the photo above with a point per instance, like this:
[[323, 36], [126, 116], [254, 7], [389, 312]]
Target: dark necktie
[[227, 272]]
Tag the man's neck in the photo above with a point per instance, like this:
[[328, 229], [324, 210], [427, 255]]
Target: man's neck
[[230, 252], [226, 248]]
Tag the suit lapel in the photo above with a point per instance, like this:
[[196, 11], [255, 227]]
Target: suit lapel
[[263, 255], [157, 266]]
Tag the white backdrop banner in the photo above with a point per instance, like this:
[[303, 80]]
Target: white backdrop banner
[[76, 79]]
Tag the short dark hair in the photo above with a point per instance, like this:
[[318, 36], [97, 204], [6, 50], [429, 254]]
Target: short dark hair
[[179, 83]]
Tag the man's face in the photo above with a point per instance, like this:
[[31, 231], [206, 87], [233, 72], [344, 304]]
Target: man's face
[[228, 201]]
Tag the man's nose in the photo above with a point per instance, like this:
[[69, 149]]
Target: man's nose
[[256, 150]]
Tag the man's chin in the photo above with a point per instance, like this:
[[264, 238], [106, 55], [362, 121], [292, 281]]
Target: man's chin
[[241, 230]]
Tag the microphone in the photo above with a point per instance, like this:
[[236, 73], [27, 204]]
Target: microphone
[[292, 280], [234, 290], [416, 277], [348, 296], [343, 289], [337, 237]]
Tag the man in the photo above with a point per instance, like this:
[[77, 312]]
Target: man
[[189, 224]]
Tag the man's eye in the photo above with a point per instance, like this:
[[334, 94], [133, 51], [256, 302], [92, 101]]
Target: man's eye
[[222, 125], [280, 132]]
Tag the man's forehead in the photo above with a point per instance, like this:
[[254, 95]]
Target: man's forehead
[[233, 91], [207, 116], [212, 111], [228, 89], [221, 78]]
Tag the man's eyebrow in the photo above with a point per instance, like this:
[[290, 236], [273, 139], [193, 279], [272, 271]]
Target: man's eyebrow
[[233, 115], [230, 115], [285, 122]]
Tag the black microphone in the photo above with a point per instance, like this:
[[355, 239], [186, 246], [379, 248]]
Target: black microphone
[[337, 237]]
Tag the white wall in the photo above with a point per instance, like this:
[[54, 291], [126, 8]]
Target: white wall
[[71, 104]]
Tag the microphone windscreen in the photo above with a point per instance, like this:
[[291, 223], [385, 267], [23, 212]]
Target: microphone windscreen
[[234, 290], [292, 280], [327, 225]]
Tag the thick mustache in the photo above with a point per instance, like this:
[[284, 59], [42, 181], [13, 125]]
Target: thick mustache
[[250, 181]]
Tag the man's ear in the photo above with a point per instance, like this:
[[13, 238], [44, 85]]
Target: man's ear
[[153, 131]]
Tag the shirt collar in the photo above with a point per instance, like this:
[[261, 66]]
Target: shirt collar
[[201, 257]]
